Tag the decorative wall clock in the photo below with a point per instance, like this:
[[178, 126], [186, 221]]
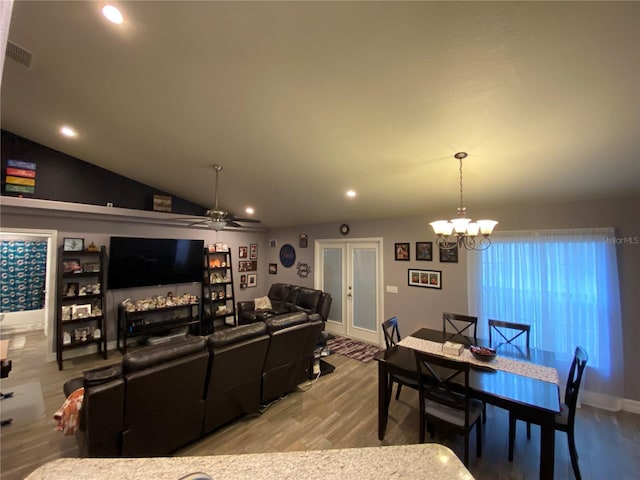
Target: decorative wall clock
[[287, 255]]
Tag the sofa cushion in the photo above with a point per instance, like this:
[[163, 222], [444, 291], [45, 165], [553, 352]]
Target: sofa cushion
[[236, 334], [149, 356], [286, 320], [263, 303]]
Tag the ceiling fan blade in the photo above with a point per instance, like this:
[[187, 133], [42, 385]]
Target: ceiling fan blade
[[202, 222], [247, 220]]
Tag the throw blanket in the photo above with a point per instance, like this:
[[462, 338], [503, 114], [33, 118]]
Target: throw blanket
[[67, 417]]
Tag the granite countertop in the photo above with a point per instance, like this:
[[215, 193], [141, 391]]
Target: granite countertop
[[424, 461]]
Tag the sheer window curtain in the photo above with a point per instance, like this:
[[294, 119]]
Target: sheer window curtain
[[565, 284]]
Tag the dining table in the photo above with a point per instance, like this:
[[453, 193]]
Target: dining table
[[532, 398]]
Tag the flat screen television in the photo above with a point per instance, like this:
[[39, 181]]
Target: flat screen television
[[144, 262]]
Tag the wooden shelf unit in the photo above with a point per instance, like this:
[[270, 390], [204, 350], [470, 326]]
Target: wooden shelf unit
[[218, 297], [72, 327]]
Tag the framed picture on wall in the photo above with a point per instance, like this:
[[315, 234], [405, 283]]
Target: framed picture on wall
[[425, 278], [449, 253], [252, 280], [242, 252], [253, 251], [273, 268], [402, 251], [424, 251]]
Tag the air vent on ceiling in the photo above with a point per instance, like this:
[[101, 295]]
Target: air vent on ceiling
[[21, 55]]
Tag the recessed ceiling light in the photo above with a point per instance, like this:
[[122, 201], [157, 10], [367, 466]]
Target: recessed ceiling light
[[249, 210], [351, 193], [68, 132], [112, 14]]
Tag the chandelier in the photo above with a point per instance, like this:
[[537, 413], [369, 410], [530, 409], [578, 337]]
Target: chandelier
[[461, 232]]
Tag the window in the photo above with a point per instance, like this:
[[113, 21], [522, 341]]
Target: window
[[563, 283]]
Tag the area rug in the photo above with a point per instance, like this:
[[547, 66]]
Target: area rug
[[25, 406], [355, 349]]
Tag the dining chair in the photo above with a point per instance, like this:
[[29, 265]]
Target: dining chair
[[458, 324], [510, 333], [565, 420], [391, 338], [444, 402]]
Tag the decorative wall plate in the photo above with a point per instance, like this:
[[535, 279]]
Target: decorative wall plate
[[287, 255]]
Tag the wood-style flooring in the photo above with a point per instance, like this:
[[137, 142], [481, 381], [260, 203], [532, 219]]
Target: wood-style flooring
[[337, 411]]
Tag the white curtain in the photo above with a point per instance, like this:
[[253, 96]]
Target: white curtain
[[565, 284]]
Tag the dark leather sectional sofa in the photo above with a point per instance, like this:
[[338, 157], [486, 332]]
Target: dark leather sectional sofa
[[286, 298], [161, 397]]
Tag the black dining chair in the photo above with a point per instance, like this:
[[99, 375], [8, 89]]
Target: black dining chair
[[391, 338], [509, 333], [445, 402], [565, 420], [459, 325]]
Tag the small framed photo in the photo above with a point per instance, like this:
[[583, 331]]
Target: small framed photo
[[402, 251], [73, 244], [424, 251], [71, 289], [71, 265], [253, 251], [303, 240], [425, 278], [211, 248], [252, 280], [449, 253], [242, 252], [243, 279], [273, 243], [91, 267], [81, 311], [273, 268], [81, 334]]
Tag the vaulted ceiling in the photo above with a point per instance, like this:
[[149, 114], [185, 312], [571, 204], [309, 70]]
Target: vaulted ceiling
[[302, 101]]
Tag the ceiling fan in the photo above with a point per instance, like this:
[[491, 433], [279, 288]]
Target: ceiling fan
[[221, 219]]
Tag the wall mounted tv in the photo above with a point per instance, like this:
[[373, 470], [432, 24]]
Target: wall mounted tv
[[143, 262]]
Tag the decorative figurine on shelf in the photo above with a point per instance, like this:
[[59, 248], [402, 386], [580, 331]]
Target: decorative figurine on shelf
[[82, 291], [66, 338], [221, 294], [92, 247], [97, 333]]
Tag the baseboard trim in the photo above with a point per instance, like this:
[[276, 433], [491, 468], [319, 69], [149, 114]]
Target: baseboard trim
[[631, 406], [609, 403]]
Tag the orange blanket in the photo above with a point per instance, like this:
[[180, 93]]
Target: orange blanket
[[67, 417]]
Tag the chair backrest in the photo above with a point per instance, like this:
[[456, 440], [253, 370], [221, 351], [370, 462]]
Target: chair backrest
[[436, 379], [391, 332], [509, 333], [460, 325], [578, 365]]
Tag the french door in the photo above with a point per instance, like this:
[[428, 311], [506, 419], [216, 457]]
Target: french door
[[351, 272]]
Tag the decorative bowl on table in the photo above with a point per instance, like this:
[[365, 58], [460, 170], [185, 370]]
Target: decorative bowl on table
[[482, 353]]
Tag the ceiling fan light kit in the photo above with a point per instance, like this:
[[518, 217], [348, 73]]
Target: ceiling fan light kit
[[462, 232]]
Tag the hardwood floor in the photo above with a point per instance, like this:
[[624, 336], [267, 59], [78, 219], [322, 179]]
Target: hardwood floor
[[337, 411]]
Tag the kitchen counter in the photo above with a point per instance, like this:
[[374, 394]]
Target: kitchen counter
[[424, 461]]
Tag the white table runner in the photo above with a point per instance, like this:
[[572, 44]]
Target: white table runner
[[526, 369]]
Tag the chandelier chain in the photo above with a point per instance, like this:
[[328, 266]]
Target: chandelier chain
[[461, 209]]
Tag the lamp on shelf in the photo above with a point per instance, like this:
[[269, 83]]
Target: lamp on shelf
[[462, 231]]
